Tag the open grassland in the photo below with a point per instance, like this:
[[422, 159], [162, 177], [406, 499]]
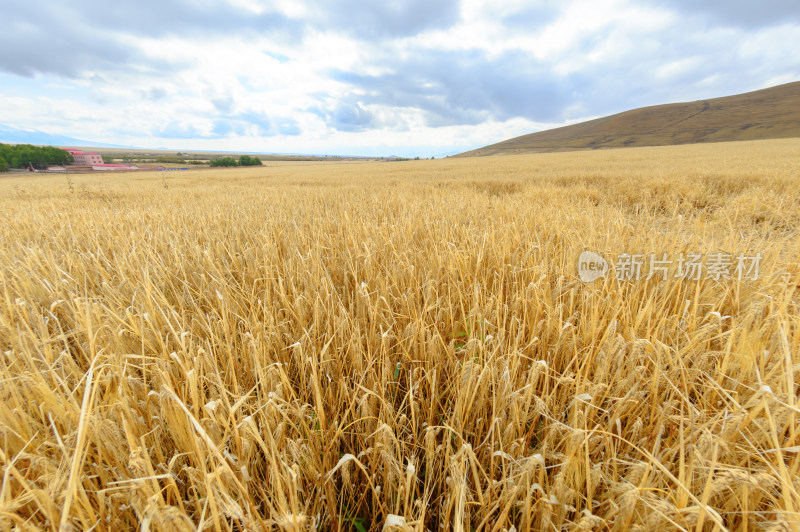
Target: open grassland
[[349, 346]]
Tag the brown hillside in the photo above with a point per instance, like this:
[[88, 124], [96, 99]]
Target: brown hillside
[[763, 114]]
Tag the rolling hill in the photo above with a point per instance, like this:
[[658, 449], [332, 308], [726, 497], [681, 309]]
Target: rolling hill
[[764, 114]]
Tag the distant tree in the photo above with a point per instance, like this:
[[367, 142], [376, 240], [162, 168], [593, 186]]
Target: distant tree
[[25, 155], [3, 165], [224, 161], [246, 160]]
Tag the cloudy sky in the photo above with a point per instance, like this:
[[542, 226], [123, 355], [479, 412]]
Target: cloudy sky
[[384, 77]]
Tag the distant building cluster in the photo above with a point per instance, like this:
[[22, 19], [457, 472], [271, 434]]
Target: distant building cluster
[[95, 160], [85, 158]]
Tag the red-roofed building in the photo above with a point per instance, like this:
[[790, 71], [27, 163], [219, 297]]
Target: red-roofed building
[[85, 158]]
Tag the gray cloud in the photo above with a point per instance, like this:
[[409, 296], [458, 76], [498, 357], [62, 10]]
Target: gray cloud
[[385, 19], [457, 88], [69, 39], [267, 127], [355, 18], [470, 87], [740, 13], [223, 104], [154, 93], [157, 18], [260, 120], [534, 16], [347, 114], [37, 40], [46, 38], [351, 117]]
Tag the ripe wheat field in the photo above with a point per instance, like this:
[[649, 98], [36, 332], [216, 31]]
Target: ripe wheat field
[[405, 346]]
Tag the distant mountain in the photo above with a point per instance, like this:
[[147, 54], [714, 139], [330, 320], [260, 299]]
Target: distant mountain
[[22, 136], [765, 114]]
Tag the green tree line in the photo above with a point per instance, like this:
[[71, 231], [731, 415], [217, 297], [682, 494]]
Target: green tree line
[[244, 160], [24, 155]]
